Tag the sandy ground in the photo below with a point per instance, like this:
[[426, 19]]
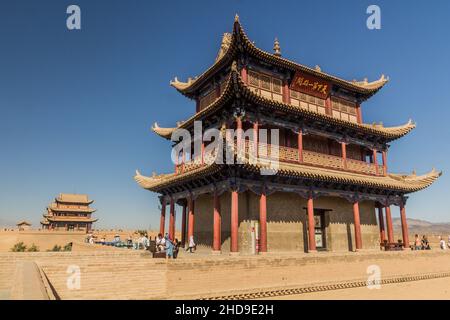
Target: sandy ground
[[416, 290]]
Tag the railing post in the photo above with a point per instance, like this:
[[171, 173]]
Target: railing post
[[300, 145], [344, 154], [255, 138]]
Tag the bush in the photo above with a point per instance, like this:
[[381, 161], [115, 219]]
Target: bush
[[19, 247], [68, 247], [33, 248], [55, 248]]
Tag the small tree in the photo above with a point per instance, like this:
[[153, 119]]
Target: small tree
[[68, 247], [56, 248], [33, 248], [19, 247]]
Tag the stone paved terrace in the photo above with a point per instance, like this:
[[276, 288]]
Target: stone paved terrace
[[129, 274]]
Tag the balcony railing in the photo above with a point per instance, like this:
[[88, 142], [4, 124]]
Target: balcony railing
[[290, 155]]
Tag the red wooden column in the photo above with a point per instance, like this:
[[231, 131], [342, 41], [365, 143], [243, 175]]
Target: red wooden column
[[375, 160], [203, 153], [183, 226], [358, 113], [190, 218], [234, 221], [162, 220], [384, 162], [217, 224], [255, 138], [183, 160], [239, 133], [344, 154], [172, 220], [358, 241], [381, 222], [390, 230], [328, 107], [404, 226], [286, 93], [263, 222], [244, 75], [300, 145], [311, 226]]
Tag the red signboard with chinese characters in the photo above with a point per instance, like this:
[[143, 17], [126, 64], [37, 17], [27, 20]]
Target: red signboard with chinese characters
[[310, 85]]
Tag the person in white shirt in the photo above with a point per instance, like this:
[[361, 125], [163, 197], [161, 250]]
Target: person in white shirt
[[160, 243], [442, 244], [192, 246]]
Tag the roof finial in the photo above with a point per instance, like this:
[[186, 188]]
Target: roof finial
[[276, 48], [236, 18]]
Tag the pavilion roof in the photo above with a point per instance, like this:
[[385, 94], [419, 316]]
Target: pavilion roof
[[73, 198], [398, 182], [238, 39], [235, 85], [23, 222]]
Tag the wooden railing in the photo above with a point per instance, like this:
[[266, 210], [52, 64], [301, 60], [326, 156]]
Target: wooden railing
[[291, 155]]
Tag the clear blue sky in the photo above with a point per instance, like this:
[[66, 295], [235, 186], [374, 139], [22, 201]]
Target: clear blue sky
[[76, 106]]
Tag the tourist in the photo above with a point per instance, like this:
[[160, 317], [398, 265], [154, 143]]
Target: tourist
[[442, 243], [160, 243], [417, 243], [448, 243], [136, 243], [192, 246], [129, 241], [169, 248], [425, 243], [144, 241]]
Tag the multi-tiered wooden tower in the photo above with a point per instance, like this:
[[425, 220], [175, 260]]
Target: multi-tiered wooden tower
[[333, 172]]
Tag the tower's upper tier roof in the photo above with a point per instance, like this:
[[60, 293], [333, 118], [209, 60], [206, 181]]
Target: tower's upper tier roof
[[73, 198], [238, 41], [236, 86]]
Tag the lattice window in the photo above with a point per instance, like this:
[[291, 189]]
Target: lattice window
[[265, 85], [253, 78], [276, 85], [305, 101], [265, 82], [344, 110]]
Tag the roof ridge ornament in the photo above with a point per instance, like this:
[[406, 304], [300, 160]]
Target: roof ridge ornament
[[236, 18], [276, 48]]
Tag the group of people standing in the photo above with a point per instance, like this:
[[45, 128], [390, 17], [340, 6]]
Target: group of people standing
[[424, 244], [165, 244]]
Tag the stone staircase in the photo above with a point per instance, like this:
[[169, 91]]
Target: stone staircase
[[100, 277]]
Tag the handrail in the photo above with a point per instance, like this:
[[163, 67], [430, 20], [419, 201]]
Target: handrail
[[289, 154]]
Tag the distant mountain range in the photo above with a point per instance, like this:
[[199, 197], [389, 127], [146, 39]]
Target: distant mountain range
[[5, 223], [424, 227]]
